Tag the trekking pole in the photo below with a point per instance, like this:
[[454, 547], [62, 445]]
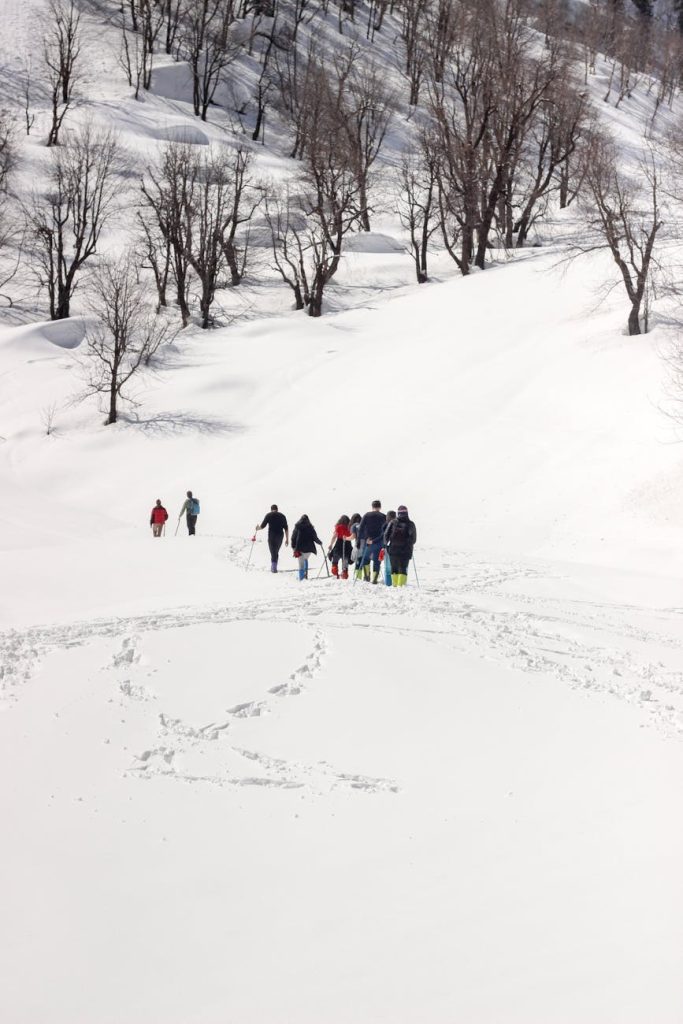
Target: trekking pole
[[326, 565], [253, 541], [417, 578], [177, 527]]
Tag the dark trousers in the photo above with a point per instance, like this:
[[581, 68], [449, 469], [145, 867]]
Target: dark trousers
[[371, 554], [191, 523], [274, 545], [399, 562], [341, 552]]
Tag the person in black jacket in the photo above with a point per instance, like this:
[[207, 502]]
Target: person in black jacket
[[371, 539], [400, 537], [277, 529], [304, 540]]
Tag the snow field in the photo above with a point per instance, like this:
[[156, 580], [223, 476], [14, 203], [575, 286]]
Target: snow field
[[233, 797]]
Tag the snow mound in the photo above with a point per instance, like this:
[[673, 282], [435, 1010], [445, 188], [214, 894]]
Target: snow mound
[[373, 242], [186, 134], [60, 333]]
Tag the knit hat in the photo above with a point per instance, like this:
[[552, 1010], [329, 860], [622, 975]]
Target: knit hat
[[402, 512]]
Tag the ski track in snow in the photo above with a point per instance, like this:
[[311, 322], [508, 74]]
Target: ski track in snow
[[600, 648]]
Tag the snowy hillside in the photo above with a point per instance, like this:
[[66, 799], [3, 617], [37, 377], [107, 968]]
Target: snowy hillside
[[233, 796]]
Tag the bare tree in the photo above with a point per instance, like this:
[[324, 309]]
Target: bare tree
[[561, 123], [520, 84], [443, 26], [61, 50], [207, 45], [10, 228], [413, 31], [125, 335], [173, 11], [417, 203], [308, 223], [7, 153], [245, 198], [194, 211], [155, 254], [462, 107], [164, 217], [66, 220], [290, 241], [625, 218], [213, 214], [266, 84], [136, 60], [366, 110], [330, 195], [29, 116]]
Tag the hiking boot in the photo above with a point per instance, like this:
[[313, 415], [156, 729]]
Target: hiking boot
[[366, 573], [335, 570], [345, 574], [273, 566], [394, 579], [375, 577]]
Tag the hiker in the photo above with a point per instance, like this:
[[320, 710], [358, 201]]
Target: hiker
[[386, 560], [277, 529], [354, 527], [157, 519], [371, 540], [191, 510], [400, 537], [304, 540], [341, 549]]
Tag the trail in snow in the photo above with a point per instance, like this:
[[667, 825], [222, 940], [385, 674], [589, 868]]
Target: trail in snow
[[513, 615]]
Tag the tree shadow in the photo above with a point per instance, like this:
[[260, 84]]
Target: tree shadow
[[174, 424]]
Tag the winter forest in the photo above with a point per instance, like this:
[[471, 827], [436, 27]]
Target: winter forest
[[338, 259]]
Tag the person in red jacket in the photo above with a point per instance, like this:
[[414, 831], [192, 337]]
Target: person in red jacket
[[341, 547], [158, 518]]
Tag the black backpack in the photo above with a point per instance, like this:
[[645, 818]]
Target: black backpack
[[400, 534]]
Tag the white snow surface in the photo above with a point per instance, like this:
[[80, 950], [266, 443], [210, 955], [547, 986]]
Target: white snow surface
[[233, 797], [230, 796]]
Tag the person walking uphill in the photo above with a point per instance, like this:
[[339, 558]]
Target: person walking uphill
[[277, 529], [158, 518], [391, 515], [191, 510], [400, 538], [304, 540], [371, 540], [341, 548]]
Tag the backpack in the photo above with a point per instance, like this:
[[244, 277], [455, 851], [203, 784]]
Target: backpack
[[194, 507], [400, 534]]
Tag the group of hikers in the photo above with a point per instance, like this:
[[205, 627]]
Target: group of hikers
[[374, 543], [159, 515], [371, 542]]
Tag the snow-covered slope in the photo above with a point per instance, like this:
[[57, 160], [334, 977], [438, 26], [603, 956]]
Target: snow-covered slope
[[231, 796]]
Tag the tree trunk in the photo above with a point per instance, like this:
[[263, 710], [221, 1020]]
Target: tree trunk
[[315, 301], [259, 120], [62, 309], [364, 215], [111, 418], [233, 265], [634, 318]]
